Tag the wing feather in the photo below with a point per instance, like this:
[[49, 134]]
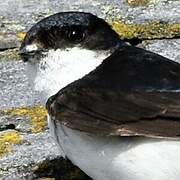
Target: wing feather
[[133, 93]]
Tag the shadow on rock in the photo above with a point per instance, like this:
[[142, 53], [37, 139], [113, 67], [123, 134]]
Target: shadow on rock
[[59, 169]]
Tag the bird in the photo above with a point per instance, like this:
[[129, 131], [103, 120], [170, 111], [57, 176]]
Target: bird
[[113, 108]]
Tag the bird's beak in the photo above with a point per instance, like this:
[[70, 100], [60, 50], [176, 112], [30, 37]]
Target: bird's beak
[[24, 54], [28, 51]]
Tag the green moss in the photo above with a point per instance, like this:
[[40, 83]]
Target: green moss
[[153, 30], [36, 114], [136, 3], [6, 141]]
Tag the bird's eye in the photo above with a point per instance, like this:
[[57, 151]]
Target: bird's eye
[[76, 34]]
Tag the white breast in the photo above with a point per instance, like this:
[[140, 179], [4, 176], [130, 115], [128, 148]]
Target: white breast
[[120, 158]]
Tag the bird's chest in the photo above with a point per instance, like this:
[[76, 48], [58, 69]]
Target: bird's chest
[[114, 158]]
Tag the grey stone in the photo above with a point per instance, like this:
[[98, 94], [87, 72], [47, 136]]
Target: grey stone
[[15, 91], [8, 41], [35, 149], [28, 12], [22, 124], [169, 48]]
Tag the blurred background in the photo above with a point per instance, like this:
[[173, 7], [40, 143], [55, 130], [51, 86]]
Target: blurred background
[[26, 148]]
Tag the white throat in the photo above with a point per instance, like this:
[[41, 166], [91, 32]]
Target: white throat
[[61, 67]]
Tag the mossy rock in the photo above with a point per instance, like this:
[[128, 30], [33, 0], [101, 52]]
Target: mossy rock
[[151, 30], [136, 3], [37, 116], [7, 139]]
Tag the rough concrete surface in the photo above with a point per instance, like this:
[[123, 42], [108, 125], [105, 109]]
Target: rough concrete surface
[[35, 149], [26, 154], [168, 48], [29, 11], [15, 89]]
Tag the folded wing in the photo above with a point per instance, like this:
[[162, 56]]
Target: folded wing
[[132, 93]]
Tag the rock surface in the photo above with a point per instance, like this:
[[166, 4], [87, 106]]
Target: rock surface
[[169, 48], [15, 89], [26, 149]]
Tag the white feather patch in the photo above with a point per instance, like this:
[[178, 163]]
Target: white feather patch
[[31, 47], [61, 67]]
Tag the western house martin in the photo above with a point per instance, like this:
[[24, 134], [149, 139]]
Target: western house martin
[[116, 109]]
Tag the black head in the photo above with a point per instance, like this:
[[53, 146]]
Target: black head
[[69, 29]]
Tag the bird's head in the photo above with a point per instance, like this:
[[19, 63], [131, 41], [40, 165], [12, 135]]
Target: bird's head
[[64, 47]]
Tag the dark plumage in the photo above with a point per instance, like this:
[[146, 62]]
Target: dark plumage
[[133, 92]]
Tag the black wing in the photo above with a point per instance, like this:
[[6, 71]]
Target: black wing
[[133, 92]]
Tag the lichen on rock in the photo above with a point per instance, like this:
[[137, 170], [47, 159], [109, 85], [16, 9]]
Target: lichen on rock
[[21, 35], [36, 114], [151, 30], [136, 3], [7, 139]]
